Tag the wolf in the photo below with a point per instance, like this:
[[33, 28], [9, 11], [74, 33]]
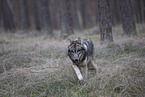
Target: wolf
[[81, 51]]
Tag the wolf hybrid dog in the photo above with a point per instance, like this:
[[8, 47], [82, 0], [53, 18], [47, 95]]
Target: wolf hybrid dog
[[80, 51]]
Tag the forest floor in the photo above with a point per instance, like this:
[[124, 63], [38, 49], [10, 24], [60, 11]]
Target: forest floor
[[35, 66]]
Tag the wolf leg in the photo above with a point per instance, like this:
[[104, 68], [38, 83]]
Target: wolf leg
[[86, 67], [78, 73], [94, 65], [86, 70]]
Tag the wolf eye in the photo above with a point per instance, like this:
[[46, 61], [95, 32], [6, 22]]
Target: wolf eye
[[71, 51], [80, 50]]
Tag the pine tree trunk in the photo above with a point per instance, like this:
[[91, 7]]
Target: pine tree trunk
[[36, 13], [105, 21], [83, 13], [116, 19], [23, 15], [0, 18], [66, 18], [54, 13], [144, 11], [7, 15], [74, 15], [45, 18], [128, 22]]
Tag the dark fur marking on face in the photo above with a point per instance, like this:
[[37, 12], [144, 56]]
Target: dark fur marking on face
[[76, 52]]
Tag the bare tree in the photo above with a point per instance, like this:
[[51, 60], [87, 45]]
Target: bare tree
[[66, 18], [7, 15], [128, 22], [105, 21]]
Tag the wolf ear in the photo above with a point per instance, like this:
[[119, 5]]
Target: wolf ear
[[79, 39]]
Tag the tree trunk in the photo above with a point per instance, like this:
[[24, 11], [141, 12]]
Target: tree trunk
[[128, 22], [83, 13], [143, 11], [139, 11], [105, 21], [36, 13], [23, 15], [116, 19], [45, 17], [54, 14], [7, 15], [74, 15], [66, 18], [0, 19]]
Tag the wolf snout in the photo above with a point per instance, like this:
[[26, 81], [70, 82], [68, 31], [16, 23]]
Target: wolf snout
[[76, 60]]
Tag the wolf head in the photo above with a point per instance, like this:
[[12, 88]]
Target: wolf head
[[77, 51]]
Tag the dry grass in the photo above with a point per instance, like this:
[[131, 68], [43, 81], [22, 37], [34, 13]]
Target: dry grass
[[35, 66]]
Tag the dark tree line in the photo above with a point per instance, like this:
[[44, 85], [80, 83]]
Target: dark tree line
[[69, 15], [7, 15], [24, 21]]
